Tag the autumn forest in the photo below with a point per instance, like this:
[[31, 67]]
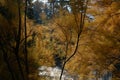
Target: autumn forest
[[59, 40]]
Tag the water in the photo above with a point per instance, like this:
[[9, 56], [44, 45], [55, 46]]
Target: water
[[53, 73]]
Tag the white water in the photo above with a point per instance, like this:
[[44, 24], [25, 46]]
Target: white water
[[44, 1], [53, 73]]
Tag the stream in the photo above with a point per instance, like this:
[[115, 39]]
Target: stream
[[53, 73]]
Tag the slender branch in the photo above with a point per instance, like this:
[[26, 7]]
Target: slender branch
[[78, 36], [26, 52], [22, 40]]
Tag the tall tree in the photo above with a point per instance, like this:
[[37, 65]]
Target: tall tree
[[78, 7]]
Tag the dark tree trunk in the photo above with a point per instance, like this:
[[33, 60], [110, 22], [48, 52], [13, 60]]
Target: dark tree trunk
[[18, 42]]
